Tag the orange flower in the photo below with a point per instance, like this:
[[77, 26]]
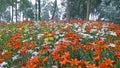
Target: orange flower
[[108, 61], [79, 45], [32, 45], [116, 42], [23, 50], [117, 54], [7, 55], [118, 33], [97, 57], [34, 62], [102, 65], [21, 63], [64, 61], [55, 55], [97, 52], [45, 59], [74, 62], [66, 55], [91, 66], [1, 60], [105, 47], [99, 42], [16, 46]]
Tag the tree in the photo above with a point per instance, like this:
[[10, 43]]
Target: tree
[[39, 8], [55, 6], [67, 11], [110, 10], [26, 8], [88, 9], [16, 9], [4, 12]]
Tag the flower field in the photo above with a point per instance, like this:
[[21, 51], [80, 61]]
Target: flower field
[[79, 44]]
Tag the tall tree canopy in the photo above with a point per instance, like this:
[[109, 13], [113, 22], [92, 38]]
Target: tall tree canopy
[[16, 10]]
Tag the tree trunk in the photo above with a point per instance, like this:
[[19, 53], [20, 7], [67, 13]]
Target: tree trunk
[[0, 17], [68, 12], [88, 9], [16, 10], [36, 10], [39, 12], [12, 10], [55, 6]]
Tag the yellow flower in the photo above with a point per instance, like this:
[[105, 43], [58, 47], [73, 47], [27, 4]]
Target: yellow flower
[[51, 38], [46, 39], [49, 35]]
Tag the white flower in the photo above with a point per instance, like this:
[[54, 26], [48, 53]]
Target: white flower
[[30, 51], [112, 45], [93, 30], [56, 36], [15, 57], [40, 35], [112, 33], [31, 38], [2, 64], [35, 53]]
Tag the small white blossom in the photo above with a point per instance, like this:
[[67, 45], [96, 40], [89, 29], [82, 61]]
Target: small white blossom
[[30, 51], [3, 64], [112, 45], [112, 33], [15, 57], [40, 36], [35, 53]]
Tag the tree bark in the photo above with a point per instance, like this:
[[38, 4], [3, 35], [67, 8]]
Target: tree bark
[[39, 12], [16, 10], [88, 9], [0, 17], [36, 10], [12, 10], [55, 6], [68, 12]]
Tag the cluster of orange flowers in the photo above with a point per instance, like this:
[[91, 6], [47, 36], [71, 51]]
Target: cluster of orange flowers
[[15, 41], [67, 51]]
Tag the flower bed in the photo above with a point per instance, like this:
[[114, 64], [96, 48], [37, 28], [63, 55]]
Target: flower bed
[[79, 44]]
